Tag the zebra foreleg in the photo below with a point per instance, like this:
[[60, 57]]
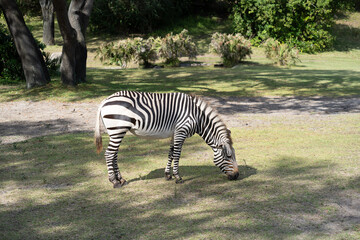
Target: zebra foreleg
[[111, 161]]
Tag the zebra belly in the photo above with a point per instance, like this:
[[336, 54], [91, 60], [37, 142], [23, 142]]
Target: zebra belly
[[152, 134]]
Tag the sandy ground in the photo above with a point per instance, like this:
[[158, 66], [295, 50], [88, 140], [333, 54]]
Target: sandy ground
[[23, 120]]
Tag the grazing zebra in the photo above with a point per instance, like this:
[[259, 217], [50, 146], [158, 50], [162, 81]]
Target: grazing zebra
[[163, 115]]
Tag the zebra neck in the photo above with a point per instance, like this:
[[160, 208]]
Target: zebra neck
[[209, 126]]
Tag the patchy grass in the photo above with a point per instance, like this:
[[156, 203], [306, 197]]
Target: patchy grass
[[316, 76], [301, 182]]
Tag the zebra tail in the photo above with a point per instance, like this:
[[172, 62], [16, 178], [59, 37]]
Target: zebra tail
[[97, 135]]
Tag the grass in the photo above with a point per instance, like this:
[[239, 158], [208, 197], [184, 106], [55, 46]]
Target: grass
[[314, 77], [300, 176]]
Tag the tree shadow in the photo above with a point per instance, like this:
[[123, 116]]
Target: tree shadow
[[28, 129], [245, 80], [347, 38]]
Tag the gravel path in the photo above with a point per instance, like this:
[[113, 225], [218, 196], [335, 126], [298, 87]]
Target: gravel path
[[22, 120]]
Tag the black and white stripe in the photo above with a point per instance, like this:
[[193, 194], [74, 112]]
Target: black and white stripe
[[163, 115]]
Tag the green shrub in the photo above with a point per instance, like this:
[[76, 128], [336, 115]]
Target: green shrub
[[135, 15], [281, 53], [172, 47], [231, 48], [146, 50], [142, 51], [119, 54], [301, 23], [10, 63]]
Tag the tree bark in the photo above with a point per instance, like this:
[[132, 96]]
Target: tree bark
[[36, 73], [73, 26], [47, 9], [68, 61], [79, 16]]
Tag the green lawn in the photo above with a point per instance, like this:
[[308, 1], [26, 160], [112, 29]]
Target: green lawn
[[315, 76], [302, 173]]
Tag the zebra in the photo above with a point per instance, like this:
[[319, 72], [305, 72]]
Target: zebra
[[163, 115]]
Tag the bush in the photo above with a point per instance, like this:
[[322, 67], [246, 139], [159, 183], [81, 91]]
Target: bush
[[301, 23], [141, 50], [10, 63], [137, 16], [144, 16], [281, 54], [118, 54], [172, 47], [231, 48], [146, 50]]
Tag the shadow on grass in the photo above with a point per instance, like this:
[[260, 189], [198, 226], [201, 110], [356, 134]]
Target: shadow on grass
[[346, 37], [195, 172], [29, 129], [54, 188]]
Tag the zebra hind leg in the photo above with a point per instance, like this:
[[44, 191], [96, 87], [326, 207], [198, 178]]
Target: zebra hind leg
[[179, 139], [168, 175], [111, 161]]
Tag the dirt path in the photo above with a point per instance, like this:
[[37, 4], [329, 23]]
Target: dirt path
[[22, 120]]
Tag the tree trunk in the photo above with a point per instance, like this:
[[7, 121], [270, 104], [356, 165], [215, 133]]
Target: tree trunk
[[36, 73], [47, 9], [73, 26], [79, 16], [68, 61]]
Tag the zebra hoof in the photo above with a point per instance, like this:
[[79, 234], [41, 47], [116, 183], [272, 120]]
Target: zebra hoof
[[119, 183], [168, 176], [178, 180]]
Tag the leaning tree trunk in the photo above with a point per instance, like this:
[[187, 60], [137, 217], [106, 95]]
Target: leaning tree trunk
[[47, 9], [73, 26], [35, 71]]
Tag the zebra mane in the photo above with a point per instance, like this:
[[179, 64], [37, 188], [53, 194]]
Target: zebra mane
[[199, 101]]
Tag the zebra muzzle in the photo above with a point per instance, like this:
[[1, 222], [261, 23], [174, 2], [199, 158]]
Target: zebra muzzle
[[233, 176]]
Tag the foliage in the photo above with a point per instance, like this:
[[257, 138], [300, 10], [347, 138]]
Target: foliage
[[301, 23], [231, 48], [10, 63], [145, 16], [141, 50], [172, 47], [281, 53], [118, 54], [52, 64], [135, 15], [29, 7], [144, 51]]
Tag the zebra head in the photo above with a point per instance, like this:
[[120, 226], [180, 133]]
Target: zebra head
[[224, 158]]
